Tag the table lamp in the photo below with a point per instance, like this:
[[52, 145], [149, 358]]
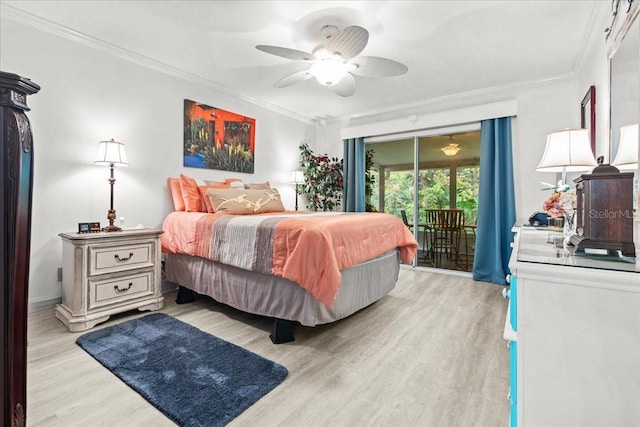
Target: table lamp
[[297, 178], [627, 155], [111, 153], [568, 150]]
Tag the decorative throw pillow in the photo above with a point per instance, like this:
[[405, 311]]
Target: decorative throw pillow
[[191, 194], [243, 202], [235, 182], [176, 193], [258, 186], [205, 197], [215, 182]]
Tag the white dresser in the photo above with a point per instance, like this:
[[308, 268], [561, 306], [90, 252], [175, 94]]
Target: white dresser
[[578, 336], [108, 273]]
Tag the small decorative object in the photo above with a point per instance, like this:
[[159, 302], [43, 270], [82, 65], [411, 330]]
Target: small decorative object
[[560, 206], [89, 227], [217, 139], [604, 219], [111, 153]]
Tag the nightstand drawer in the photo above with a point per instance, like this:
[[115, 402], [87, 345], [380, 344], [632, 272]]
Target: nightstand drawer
[[109, 259], [115, 290]]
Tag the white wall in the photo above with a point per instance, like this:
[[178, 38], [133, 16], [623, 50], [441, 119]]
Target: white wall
[[87, 96]]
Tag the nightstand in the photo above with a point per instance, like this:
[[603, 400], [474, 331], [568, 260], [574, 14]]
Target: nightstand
[[108, 273]]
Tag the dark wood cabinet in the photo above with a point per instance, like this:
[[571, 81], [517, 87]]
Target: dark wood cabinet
[[605, 211], [16, 168]]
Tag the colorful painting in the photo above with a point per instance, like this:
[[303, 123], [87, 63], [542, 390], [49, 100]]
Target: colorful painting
[[218, 139]]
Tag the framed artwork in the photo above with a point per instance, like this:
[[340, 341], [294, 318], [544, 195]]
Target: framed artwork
[[588, 116], [217, 139]]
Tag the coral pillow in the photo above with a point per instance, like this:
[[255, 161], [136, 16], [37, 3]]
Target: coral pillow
[[191, 194], [243, 202], [235, 183], [176, 193], [256, 186], [205, 197]]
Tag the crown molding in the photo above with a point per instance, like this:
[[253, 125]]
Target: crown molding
[[409, 108], [50, 27]]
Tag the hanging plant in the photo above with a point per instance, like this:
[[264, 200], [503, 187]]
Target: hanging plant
[[322, 180]]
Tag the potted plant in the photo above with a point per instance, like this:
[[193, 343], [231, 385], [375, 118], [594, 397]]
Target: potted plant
[[369, 181], [322, 180]]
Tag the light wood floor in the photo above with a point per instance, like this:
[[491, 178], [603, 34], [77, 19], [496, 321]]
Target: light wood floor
[[431, 353]]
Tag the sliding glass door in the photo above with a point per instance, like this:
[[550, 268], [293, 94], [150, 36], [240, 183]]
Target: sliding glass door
[[432, 171]]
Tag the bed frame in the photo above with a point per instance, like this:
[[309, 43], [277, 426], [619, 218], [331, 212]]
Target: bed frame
[[285, 301]]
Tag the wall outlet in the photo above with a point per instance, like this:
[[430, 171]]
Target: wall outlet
[[60, 275]]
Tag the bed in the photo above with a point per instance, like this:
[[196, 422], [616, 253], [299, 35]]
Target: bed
[[306, 268]]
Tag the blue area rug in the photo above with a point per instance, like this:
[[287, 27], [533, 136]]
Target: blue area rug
[[193, 377]]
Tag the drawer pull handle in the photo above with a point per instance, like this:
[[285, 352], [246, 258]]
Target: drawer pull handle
[[120, 291], [117, 257]]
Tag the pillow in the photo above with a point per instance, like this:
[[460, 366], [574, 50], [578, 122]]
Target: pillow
[[215, 182], [205, 197], [256, 186], [235, 183], [176, 193], [243, 202], [191, 194]]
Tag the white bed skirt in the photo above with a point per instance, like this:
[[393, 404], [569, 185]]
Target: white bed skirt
[[280, 298]]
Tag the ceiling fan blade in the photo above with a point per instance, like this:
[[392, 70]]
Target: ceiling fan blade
[[297, 77], [345, 87], [373, 66], [348, 42], [285, 52]]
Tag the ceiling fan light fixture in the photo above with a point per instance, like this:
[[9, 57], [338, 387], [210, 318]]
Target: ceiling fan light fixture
[[329, 71], [451, 149]]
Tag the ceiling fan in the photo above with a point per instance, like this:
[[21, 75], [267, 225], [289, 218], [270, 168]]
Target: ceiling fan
[[334, 61]]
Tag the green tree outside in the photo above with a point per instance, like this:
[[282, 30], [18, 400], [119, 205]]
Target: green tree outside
[[433, 185]]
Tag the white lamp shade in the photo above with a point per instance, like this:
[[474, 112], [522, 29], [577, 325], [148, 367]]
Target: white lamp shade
[[567, 150], [111, 152], [297, 177], [627, 155]]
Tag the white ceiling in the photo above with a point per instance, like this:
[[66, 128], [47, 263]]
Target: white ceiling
[[450, 47]]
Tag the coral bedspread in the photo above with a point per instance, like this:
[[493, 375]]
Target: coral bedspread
[[307, 248]]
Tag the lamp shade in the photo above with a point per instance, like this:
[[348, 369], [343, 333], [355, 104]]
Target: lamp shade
[[627, 155], [567, 150], [110, 152], [297, 177]]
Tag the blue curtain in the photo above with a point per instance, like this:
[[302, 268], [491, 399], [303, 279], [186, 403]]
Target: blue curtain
[[496, 205], [353, 175]]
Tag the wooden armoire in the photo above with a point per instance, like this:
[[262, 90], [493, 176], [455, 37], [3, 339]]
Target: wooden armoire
[[16, 169]]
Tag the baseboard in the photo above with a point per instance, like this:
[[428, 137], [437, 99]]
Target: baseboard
[[43, 304]]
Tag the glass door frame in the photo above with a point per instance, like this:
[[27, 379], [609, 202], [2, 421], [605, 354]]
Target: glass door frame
[[416, 135]]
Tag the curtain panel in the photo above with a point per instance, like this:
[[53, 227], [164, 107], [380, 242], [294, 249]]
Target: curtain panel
[[496, 204], [354, 175]]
